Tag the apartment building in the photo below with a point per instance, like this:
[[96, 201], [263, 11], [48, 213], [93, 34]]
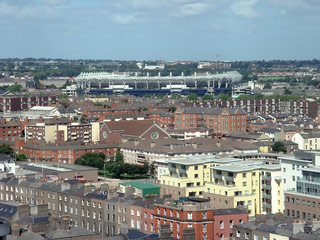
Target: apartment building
[[14, 103], [304, 201], [64, 152], [59, 133], [304, 107], [149, 150], [254, 185], [188, 175], [222, 120], [196, 213]]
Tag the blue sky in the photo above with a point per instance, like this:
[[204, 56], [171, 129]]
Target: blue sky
[[160, 29]]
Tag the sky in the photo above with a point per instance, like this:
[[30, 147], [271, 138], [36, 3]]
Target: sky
[[166, 30]]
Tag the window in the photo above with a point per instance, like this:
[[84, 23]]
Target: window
[[255, 237], [231, 224], [238, 234], [244, 184], [195, 167], [221, 224], [189, 215], [284, 169], [132, 212], [196, 176], [246, 235], [244, 175], [204, 215]]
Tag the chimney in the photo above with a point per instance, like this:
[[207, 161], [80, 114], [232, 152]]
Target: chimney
[[15, 230], [21, 179], [171, 146], [41, 118], [165, 232], [298, 226], [153, 144], [23, 210], [149, 200], [218, 144], [136, 142], [188, 234], [3, 120], [55, 118], [195, 146]]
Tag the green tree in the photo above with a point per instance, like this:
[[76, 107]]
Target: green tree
[[192, 97], [207, 97], [172, 109], [22, 157], [14, 88], [224, 96], [267, 86], [160, 96], [6, 149], [119, 156], [176, 96], [279, 147], [287, 91], [91, 160], [62, 96], [148, 95]]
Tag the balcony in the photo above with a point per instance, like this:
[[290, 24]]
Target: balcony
[[217, 176], [229, 178], [267, 205], [182, 170], [265, 186], [266, 195], [265, 177], [172, 169]]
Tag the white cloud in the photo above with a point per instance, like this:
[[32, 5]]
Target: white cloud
[[192, 9], [297, 4], [123, 18], [245, 8]]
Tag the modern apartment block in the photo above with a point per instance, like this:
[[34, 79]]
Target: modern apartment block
[[188, 176], [254, 185], [304, 202], [222, 120], [14, 103]]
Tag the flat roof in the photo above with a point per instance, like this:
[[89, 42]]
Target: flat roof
[[201, 159], [140, 185], [244, 166]]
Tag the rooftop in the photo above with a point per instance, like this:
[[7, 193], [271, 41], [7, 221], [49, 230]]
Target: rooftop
[[140, 185]]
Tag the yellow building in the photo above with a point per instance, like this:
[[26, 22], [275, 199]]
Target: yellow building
[[192, 173], [253, 185]]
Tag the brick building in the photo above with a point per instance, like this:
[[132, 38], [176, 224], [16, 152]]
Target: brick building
[[64, 152], [14, 103], [196, 213], [121, 131], [252, 106], [222, 120], [59, 133]]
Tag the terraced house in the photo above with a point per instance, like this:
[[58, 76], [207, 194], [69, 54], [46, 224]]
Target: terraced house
[[89, 206]]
